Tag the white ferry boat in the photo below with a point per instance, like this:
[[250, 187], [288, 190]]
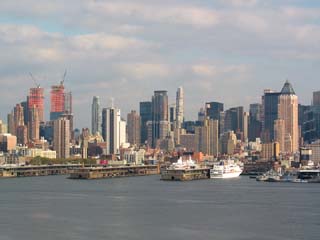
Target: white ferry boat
[[183, 164], [225, 169]]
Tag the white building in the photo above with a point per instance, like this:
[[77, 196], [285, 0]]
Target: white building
[[179, 107], [134, 157], [113, 129]]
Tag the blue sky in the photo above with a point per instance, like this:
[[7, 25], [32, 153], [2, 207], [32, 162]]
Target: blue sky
[[228, 51]]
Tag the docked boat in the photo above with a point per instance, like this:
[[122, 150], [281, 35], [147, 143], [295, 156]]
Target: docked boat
[[184, 170], [225, 169], [270, 176]]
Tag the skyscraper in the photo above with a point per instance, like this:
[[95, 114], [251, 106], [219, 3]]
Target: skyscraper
[[36, 98], [33, 124], [279, 134], [18, 117], [146, 115], [25, 111], [316, 98], [68, 103], [270, 107], [288, 111], [113, 129], [160, 120], [173, 116], [61, 137], [234, 119], [95, 115], [213, 110], [10, 122], [179, 107], [245, 126], [255, 121], [133, 127], [57, 101]]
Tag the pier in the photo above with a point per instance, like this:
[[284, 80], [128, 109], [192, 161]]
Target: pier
[[185, 174], [36, 170], [111, 172]]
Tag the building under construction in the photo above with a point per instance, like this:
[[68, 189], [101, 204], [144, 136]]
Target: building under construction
[[57, 97], [36, 98]]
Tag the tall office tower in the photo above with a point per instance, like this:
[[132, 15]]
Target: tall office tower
[[25, 111], [57, 101], [146, 115], [22, 135], [228, 142], [133, 128], [85, 136], [213, 110], [173, 116], [245, 126], [316, 98], [234, 119], [61, 137], [270, 106], [255, 121], [179, 107], [18, 117], [10, 122], [160, 120], [288, 111], [68, 103], [95, 115], [207, 137], [279, 134], [36, 98], [112, 129], [33, 124], [70, 118], [256, 111]]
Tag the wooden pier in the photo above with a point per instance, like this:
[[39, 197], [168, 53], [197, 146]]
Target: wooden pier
[[36, 170], [185, 174], [111, 172]]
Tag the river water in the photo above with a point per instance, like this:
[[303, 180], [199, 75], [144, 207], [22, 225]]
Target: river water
[[45, 208]]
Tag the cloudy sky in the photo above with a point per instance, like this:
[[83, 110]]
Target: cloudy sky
[[218, 50]]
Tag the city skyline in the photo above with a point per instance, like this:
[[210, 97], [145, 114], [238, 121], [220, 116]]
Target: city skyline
[[204, 47]]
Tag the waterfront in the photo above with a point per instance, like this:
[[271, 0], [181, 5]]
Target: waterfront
[[146, 208]]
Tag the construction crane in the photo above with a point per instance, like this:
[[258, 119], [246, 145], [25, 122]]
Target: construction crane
[[34, 79], [64, 77]]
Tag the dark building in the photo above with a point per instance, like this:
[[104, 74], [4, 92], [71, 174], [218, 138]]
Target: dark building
[[103, 124], [25, 112], [233, 120], [213, 110], [271, 100], [46, 131], [255, 123], [160, 116], [146, 115], [311, 124]]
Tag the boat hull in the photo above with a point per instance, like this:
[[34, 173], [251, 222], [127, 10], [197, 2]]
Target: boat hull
[[225, 175]]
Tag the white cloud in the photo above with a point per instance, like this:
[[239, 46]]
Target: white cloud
[[144, 70], [186, 15], [101, 41], [210, 70]]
